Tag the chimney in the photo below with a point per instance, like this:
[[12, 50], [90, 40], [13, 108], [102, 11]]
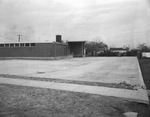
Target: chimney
[[58, 38]]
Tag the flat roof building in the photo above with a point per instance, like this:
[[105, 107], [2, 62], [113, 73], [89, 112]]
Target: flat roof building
[[42, 50], [33, 50], [120, 50]]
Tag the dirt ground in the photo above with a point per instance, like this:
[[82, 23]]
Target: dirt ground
[[18, 101]]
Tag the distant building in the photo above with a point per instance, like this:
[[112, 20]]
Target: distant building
[[101, 50], [39, 50], [119, 50], [146, 54]]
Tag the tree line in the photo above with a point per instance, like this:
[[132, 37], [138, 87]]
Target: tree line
[[99, 48]]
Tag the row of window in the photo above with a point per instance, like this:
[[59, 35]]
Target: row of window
[[18, 45]]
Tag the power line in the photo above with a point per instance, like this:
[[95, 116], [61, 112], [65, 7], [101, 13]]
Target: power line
[[4, 36]]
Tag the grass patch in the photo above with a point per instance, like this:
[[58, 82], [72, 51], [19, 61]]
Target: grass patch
[[145, 69], [19, 101]]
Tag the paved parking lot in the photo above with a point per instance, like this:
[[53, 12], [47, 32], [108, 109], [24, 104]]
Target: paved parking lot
[[92, 69], [95, 69]]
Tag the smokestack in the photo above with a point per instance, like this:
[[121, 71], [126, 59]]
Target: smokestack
[[58, 38]]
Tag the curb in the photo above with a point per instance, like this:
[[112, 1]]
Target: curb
[[143, 86]]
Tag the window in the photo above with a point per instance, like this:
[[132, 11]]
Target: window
[[22, 45], [16, 44], [1, 45], [27, 44], [6, 45], [11, 45], [32, 44]]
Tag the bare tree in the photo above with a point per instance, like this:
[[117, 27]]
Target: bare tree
[[95, 46], [143, 47]]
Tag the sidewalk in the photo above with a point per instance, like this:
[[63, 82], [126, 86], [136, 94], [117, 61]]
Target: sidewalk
[[132, 95]]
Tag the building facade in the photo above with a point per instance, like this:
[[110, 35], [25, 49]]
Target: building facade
[[33, 50], [119, 50], [45, 50]]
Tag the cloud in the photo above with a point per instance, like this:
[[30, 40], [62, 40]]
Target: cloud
[[117, 21]]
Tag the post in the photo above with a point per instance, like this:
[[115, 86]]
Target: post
[[82, 50], [55, 50], [19, 38]]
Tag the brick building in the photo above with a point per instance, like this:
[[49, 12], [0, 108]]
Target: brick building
[[45, 50]]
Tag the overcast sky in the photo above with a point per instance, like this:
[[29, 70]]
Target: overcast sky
[[116, 22]]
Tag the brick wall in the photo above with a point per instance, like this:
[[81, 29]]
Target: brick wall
[[33, 50]]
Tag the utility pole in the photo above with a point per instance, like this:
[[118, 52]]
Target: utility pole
[[19, 37]]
